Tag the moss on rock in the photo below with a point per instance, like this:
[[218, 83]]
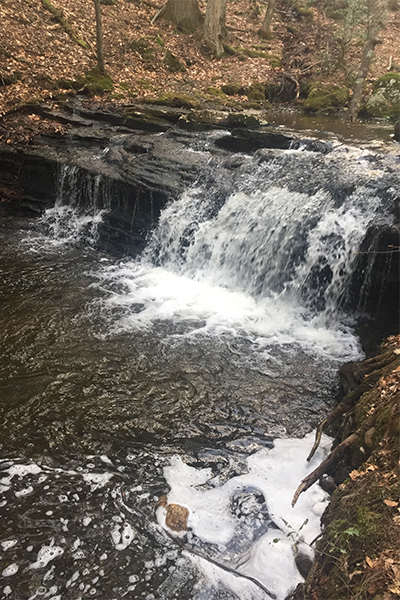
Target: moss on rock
[[175, 100], [324, 96], [172, 63], [385, 99], [91, 83], [144, 47], [232, 89]]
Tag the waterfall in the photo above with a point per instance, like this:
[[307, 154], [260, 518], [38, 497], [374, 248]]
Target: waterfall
[[82, 201]]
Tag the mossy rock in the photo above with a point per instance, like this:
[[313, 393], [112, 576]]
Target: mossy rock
[[302, 10], [91, 83], [385, 99], [213, 91], [326, 97], [256, 91], [232, 89], [172, 63], [176, 101], [242, 120], [144, 47]]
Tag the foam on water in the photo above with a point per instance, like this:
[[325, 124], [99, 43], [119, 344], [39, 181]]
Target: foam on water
[[274, 473], [147, 295]]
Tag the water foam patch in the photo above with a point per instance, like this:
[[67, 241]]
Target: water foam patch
[[249, 518], [47, 554]]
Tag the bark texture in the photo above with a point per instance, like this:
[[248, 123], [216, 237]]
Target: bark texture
[[99, 39], [265, 31], [185, 14], [376, 10], [214, 27]]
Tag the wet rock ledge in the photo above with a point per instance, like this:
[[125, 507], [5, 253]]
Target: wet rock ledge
[[358, 553], [141, 157]]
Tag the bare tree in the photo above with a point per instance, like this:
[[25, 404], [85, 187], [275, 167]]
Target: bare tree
[[214, 31], [375, 13], [265, 30], [99, 39]]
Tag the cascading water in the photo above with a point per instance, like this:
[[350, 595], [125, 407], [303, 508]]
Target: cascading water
[[173, 373], [81, 202]]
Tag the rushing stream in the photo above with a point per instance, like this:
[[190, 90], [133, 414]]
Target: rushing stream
[[126, 379]]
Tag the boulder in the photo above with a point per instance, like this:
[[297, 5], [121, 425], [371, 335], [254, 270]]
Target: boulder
[[385, 98]]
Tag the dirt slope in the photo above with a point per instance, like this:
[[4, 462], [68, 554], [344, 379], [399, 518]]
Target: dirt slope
[[35, 51]]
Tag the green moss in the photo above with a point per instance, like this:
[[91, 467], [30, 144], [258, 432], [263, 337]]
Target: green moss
[[213, 91], [368, 522], [391, 79], [385, 99], [91, 83], [275, 62], [144, 84], [256, 91], [172, 63], [176, 101], [326, 97], [255, 53], [251, 105], [160, 41], [243, 120], [143, 47], [229, 50], [124, 85], [232, 89]]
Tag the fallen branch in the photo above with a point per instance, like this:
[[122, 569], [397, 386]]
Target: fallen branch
[[58, 14], [325, 466], [159, 14]]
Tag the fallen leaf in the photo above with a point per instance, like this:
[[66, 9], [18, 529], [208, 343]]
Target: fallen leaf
[[371, 563], [391, 503]]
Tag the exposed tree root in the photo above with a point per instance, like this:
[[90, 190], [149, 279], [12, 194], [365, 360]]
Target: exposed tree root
[[368, 375], [325, 466]]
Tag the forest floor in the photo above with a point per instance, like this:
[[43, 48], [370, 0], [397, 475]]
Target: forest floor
[[36, 53]]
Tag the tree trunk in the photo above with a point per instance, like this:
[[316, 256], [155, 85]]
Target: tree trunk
[[214, 26], [375, 11], [185, 14], [99, 39], [265, 31]]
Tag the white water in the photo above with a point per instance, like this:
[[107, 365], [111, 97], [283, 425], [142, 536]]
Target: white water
[[272, 266]]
